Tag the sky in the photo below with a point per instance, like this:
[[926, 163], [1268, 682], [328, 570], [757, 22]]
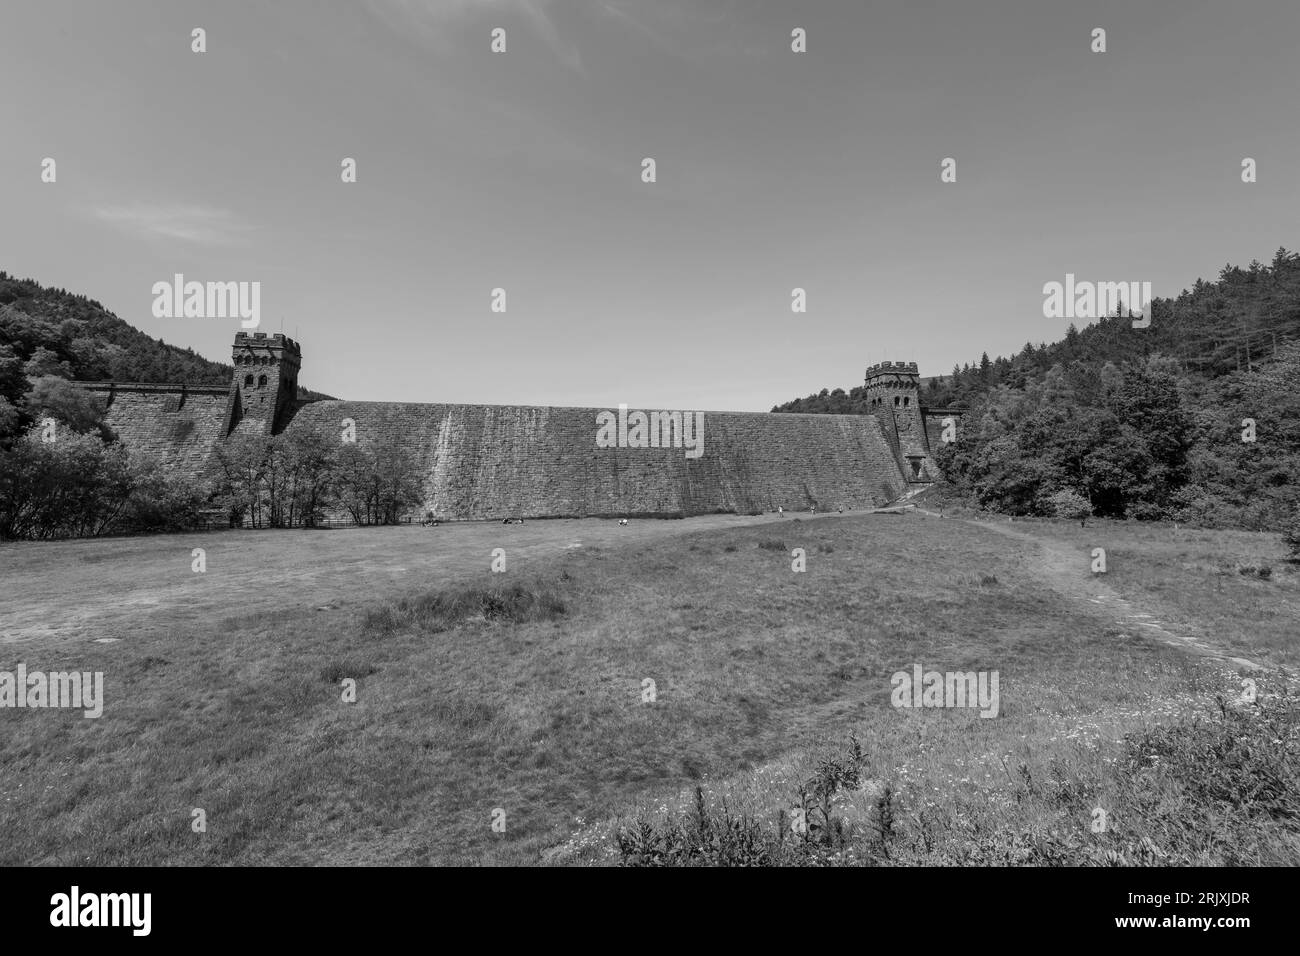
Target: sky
[[522, 170]]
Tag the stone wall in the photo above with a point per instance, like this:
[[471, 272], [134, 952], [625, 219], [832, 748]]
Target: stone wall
[[493, 461], [175, 423]]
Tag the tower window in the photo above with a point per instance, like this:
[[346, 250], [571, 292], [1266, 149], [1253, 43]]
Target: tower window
[[248, 381], [906, 400], [895, 401], [261, 381]]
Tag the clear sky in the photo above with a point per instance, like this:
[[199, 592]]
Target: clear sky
[[522, 170]]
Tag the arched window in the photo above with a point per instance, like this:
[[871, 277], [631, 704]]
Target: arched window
[[248, 381], [906, 400], [895, 401], [261, 381]]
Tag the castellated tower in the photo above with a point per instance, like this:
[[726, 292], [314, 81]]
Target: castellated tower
[[894, 394], [265, 385]]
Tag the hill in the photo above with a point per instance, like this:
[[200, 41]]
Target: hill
[[75, 337], [1194, 418], [1212, 329]]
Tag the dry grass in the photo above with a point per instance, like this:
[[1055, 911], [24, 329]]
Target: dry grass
[[460, 711]]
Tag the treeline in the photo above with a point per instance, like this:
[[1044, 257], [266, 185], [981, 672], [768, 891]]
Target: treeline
[[66, 475], [56, 482], [1140, 440], [292, 480], [1150, 423], [1212, 329]]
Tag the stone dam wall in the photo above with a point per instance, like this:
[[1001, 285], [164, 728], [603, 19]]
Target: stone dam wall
[[177, 424], [495, 461]]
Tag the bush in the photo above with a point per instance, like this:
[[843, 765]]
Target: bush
[[73, 486], [444, 610], [161, 499], [1068, 503], [812, 833]]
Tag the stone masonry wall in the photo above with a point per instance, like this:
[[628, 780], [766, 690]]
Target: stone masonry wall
[[181, 426], [491, 461]]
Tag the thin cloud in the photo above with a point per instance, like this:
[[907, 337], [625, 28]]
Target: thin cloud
[[425, 17], [197, 224]]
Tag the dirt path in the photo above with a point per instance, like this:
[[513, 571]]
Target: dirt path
[[1060, 568]]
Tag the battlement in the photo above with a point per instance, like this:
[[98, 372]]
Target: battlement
[[897, 368], [277, 340]]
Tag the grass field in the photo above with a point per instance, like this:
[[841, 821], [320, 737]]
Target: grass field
[[223, 688]]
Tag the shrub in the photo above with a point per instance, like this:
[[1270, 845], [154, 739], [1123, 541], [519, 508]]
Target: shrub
[[715, 836], [444, 610], [772, 545], [1068, 503], [74, 486]]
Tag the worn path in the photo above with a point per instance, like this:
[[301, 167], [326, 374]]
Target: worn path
[[1063, 569]]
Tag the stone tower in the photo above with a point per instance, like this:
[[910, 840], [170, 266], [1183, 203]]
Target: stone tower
[[265, 385], [894, 394]]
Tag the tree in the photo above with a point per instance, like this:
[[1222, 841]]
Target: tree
[[74, 486], [45, 362], [241, 466], [305, 462], [13, 383], [11, 419], [377, 483], [161, 498], [76, 408]]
